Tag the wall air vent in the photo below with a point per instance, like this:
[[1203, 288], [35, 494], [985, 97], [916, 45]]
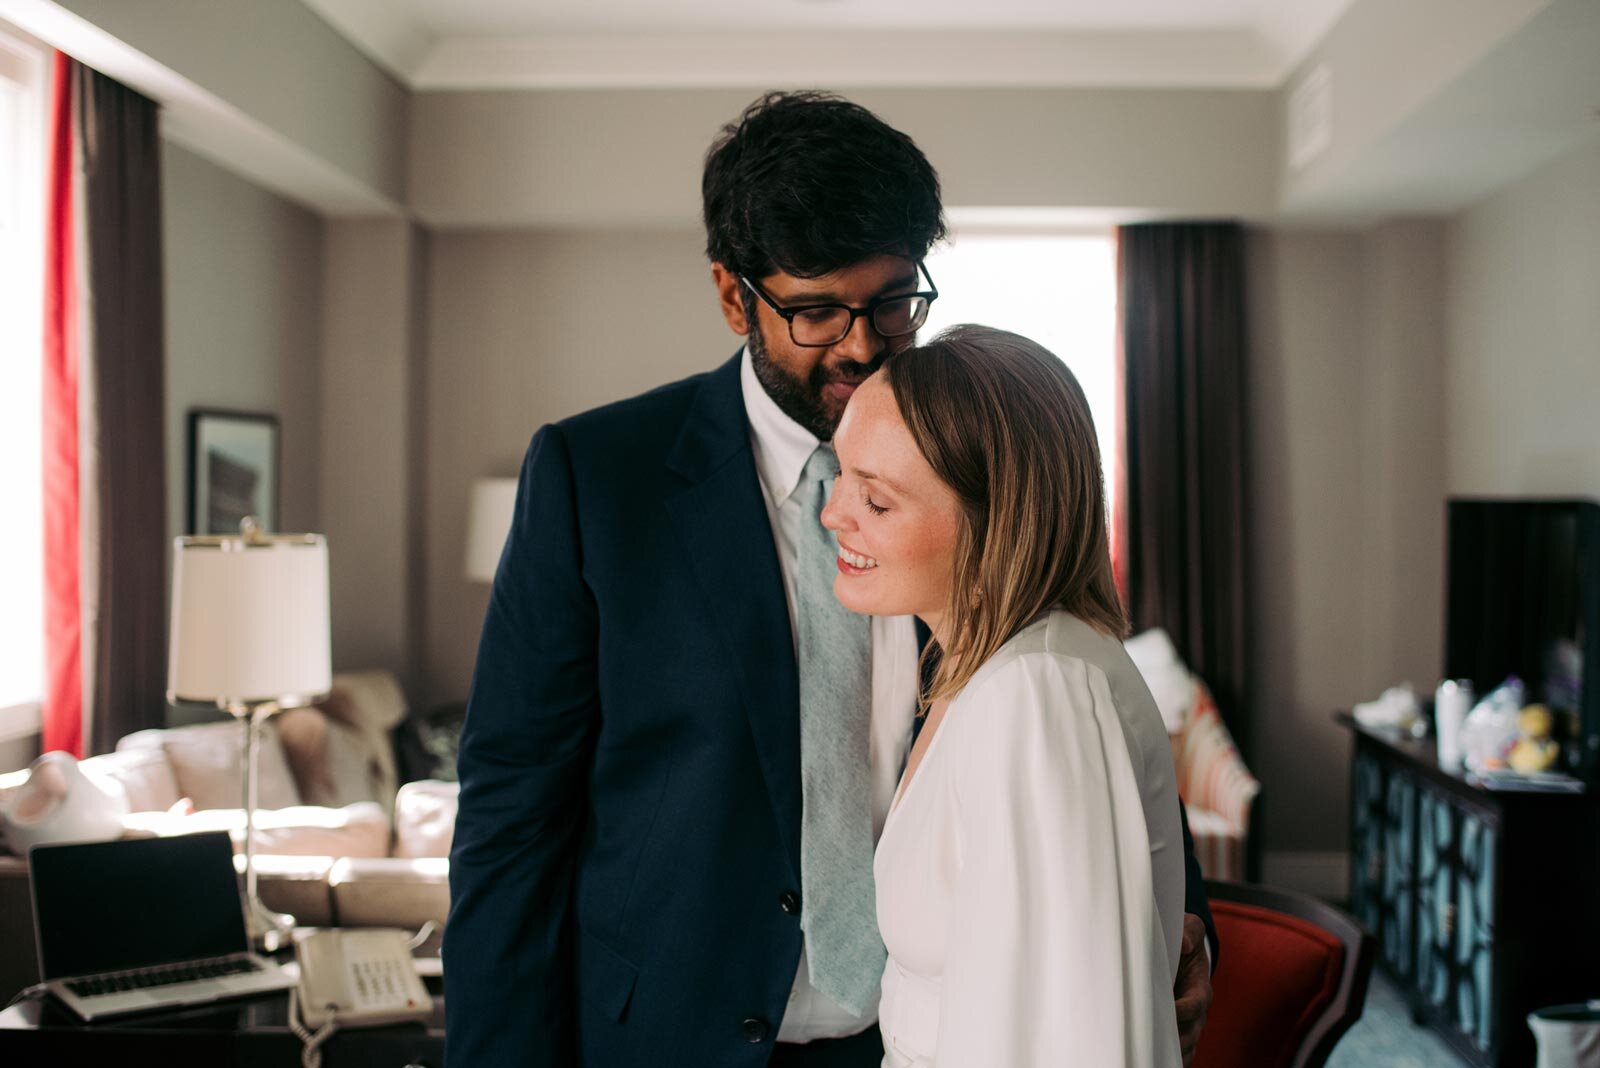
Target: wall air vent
[[1310, 117]]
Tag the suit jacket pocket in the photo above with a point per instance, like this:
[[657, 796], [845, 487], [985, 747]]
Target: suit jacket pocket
[[605, 979]]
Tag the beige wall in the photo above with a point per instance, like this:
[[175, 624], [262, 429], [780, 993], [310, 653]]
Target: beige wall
[[243, 319], [1346, 492], [370, 357], [1404, 433], [1305, 396], [618, 159], [1381, 75], [1524, 373], [524, 328]]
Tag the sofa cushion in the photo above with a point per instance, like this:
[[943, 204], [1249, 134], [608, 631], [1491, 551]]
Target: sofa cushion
[[390, 892], [359, 830], [295, 885], [205, 763], [141, 776], [425, 818]]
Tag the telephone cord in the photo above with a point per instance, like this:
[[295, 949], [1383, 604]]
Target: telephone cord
[[310, 1042]]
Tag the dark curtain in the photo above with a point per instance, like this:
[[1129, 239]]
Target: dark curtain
[[1181, 295], [123, 411]]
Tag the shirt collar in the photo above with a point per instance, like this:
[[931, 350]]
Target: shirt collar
[[782, 446]]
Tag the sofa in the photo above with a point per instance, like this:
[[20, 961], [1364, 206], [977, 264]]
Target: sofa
[[339, 842]]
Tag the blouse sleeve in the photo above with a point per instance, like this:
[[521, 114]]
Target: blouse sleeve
[[1055, 953]]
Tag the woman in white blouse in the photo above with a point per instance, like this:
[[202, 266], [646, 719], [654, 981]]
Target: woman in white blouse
[[1030, 877]]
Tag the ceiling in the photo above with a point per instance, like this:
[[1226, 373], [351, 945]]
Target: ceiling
[[487, 44]]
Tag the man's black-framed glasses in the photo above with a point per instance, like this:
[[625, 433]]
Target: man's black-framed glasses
[[816, 326]]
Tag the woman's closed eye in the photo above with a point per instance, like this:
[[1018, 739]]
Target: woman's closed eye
[[872, 506]]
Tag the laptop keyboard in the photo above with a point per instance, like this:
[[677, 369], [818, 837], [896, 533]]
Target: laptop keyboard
[[165, 975]]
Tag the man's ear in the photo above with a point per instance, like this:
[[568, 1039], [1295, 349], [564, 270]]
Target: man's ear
[[728, 297]]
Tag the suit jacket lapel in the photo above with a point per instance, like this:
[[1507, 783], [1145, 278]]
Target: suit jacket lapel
[[722, 521]]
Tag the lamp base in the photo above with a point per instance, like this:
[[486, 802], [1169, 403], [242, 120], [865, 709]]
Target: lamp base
[[269, 931]]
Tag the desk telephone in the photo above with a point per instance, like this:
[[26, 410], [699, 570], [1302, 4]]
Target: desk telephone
[[358, 978]]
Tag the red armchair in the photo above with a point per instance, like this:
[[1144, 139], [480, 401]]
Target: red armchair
[[1290, 981]]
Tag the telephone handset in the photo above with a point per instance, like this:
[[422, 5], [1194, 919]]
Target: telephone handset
[[359, 977]]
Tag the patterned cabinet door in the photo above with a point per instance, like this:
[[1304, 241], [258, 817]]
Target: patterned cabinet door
[[1366, 840], [1394, 888], [1436, 905], [1474, 933]]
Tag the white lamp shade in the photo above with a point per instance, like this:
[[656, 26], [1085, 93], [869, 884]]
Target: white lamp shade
[[249, 620], [494, 500]]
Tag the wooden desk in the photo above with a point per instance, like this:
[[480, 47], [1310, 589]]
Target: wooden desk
[[250, 1033], [1485, 903]]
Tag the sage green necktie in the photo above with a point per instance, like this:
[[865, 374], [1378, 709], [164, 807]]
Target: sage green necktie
[[844, 952]]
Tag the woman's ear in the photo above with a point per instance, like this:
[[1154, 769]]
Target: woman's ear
[[728, 297]]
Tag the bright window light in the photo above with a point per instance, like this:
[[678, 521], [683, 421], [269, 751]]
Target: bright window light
[[1057, 289], [21, 324]]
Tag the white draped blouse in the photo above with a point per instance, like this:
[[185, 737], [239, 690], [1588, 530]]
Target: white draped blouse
[[1030, 877]]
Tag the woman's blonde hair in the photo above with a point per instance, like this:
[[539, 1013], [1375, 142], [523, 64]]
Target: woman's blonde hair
[[1006, 426]]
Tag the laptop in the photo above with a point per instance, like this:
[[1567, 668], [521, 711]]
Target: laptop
[[143, 924]]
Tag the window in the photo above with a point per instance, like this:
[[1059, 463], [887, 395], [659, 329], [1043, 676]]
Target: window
[[1059, 289], [22, 210]]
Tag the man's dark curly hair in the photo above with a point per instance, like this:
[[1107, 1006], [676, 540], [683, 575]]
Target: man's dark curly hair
[[807, 183]]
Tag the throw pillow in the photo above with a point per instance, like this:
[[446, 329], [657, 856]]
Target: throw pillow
[[205, 762]]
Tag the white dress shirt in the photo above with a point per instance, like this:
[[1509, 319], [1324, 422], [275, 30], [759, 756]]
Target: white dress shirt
[[782, 447]]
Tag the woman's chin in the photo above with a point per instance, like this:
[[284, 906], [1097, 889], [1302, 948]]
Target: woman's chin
[[850, 594], [854, 595]]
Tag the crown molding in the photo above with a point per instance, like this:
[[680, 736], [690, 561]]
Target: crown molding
[[397, 44]]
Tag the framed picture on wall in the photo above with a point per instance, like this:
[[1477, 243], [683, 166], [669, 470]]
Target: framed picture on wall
[[233, 470]]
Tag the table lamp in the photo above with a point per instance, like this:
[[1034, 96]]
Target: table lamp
[[249, 636], [488, 523]]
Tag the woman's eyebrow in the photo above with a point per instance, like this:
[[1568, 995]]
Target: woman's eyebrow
[[872, 477]]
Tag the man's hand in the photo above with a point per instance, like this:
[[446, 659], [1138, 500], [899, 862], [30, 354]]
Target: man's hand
[[1192, 991]]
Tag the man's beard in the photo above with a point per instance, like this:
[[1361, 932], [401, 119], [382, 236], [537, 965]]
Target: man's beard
[[802, 399]]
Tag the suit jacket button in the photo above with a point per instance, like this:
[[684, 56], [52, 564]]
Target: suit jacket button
[[790, 902], [755, 1030]]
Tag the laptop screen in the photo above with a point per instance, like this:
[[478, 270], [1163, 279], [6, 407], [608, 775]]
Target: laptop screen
[[105, 906]]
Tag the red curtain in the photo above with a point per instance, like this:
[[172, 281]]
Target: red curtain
[[63, 698], [104, 402]]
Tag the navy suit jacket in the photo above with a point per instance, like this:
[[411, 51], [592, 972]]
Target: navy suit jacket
[[626, 861]]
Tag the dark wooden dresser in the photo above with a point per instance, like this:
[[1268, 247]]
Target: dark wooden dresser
[[1485, 903]]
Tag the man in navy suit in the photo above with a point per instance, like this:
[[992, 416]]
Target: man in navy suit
[[626, 880]]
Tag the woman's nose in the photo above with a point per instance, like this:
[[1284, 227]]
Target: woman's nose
[[833, 513]]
